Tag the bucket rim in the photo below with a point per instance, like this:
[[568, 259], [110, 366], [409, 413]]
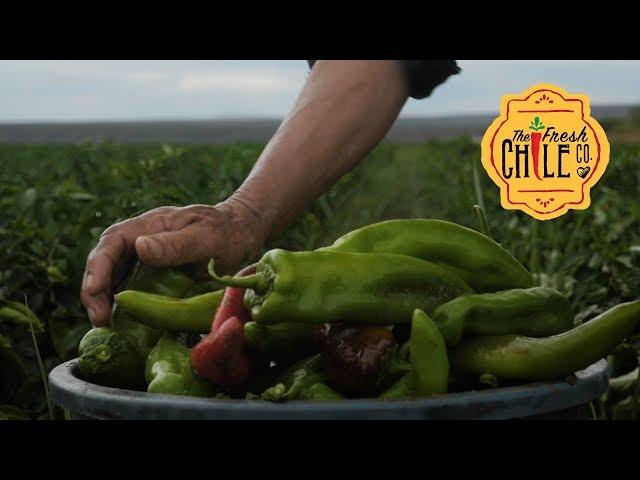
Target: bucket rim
[[96, 401]]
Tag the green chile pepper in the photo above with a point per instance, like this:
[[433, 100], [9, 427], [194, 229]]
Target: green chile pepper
[[429, 362], [193, 314], [399, 390], [534, 312], [321, 391], [168, 370], [429, 374], [481, 262], [144, 338], [161, 281], [108, 358], [513, 357], [280, 342], [302, 381], [357, 288]]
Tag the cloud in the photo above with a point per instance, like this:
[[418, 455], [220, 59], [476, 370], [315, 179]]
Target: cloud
[[245, 80]]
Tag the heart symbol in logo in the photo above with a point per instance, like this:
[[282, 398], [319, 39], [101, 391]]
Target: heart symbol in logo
[[583, 171]]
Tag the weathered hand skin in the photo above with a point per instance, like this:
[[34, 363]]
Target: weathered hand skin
[[168, 236]]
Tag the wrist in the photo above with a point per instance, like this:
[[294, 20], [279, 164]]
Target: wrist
[[250, 219]]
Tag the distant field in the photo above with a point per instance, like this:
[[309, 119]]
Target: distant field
[[247, 130]]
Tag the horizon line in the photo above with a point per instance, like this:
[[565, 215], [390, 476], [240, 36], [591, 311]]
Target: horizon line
[[241, 118]]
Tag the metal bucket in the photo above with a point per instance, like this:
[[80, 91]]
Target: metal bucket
[[543, 400]]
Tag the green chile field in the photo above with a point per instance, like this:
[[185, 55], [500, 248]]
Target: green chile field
[[56, 200]]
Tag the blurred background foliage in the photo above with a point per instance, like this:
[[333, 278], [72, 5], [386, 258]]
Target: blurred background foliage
[[55, 201]]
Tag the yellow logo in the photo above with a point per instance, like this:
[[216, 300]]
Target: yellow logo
[[545, 151]]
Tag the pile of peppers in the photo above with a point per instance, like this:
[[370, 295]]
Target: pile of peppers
[[394, 310]]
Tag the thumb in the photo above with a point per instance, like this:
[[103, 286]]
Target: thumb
[[169, 248]]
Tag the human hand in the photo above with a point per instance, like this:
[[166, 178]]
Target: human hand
[[230, 232]]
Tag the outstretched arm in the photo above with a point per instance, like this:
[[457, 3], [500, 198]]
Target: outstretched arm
[[344, 110]]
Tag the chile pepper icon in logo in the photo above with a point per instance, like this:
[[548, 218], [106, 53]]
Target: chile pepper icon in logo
[[545, 152]]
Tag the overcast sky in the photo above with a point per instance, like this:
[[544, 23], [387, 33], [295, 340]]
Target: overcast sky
[[130, 90]]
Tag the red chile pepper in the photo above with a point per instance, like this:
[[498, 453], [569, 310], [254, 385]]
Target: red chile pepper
[[535, 143], [232, 304], [220, 356]]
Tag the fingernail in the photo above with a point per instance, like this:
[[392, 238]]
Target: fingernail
[[91, 314], [89, 281], [142, 245]]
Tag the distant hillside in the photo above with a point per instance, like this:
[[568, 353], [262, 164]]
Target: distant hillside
[[239, 130]]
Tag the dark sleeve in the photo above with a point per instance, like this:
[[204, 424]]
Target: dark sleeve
[[424, 75]]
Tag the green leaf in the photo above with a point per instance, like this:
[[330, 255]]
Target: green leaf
[[536, 124], [595, 261], [55, 275], [625, 260], [27, 199], [81, 196], [588, 312], [19, 314], [5, 343], [11, 412]]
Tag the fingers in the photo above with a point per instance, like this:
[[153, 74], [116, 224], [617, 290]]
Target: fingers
[[190, 244], [98, 309], [96, 284], [115, 245], [166, 236], [101, 262]]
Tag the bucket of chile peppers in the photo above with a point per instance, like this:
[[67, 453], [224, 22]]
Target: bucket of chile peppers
[[408, 318]]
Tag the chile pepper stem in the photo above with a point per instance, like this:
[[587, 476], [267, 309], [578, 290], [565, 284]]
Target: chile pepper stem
[[257, 281]]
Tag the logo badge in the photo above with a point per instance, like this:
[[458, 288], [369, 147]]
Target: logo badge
[[545, 151]]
